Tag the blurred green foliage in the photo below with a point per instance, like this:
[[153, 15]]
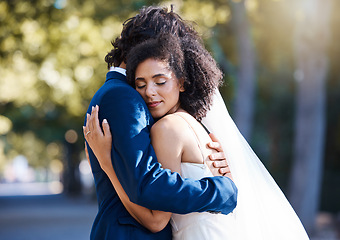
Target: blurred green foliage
[[52, 62]]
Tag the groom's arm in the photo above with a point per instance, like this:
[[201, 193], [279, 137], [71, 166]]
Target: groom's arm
[[138, 171]]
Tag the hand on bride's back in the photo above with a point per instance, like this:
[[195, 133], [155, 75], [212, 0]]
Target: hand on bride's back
[[100, 141], [219, 160]]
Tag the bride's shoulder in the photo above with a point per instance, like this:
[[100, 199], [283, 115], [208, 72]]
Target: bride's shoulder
[[169, 124]]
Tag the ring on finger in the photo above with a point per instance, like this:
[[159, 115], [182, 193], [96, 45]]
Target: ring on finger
[[87, 133]]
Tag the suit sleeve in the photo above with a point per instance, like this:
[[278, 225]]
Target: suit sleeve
[[142, 177]]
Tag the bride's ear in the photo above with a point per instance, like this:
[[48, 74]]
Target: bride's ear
[[181, 89], [181, 83]]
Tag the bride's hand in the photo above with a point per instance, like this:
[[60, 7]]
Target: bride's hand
[[99, 141]]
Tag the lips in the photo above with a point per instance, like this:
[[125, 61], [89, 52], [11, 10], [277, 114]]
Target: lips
[[153, 104]]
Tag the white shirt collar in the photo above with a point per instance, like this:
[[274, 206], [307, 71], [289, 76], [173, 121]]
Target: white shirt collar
[[118, 69]]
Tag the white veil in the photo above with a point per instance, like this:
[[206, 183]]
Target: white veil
[[262, 211]]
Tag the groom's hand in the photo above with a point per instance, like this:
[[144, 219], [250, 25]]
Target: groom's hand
[[219, 159]]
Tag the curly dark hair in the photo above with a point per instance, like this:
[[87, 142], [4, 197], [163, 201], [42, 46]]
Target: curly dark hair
[[189, 60], [164, 48], [150, 22]]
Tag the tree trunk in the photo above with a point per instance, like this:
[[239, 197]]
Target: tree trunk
[[246, 76], [71, 174], [310, 45]]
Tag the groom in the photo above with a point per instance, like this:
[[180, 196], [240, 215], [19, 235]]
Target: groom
[[133, 157]]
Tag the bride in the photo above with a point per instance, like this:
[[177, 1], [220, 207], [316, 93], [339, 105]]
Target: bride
[[178, 81]]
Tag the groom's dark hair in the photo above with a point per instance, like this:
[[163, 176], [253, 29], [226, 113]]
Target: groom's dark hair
[[150, 22]]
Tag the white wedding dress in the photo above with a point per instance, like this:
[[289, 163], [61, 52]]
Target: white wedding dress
[[262, 211], [201, 226]]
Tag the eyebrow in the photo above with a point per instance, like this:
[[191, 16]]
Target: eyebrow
[[154, 76]]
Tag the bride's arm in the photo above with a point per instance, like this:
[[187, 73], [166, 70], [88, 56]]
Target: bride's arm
[[100, 144], [153, 220]]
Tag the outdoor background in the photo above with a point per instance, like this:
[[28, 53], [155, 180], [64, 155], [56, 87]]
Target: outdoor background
[[282, 87]]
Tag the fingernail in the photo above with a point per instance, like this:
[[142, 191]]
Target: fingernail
[[92, 108], [105, 121]]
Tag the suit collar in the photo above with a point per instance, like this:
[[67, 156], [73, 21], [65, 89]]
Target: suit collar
[[115, 75]]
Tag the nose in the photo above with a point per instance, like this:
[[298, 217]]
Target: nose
[[150, 90]]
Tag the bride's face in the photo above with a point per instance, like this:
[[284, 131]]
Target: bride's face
[[158, 86]]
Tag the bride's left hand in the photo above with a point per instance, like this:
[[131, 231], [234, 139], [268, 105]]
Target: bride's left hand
[[100, 141]]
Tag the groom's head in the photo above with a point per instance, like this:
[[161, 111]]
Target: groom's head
[[150, 22]]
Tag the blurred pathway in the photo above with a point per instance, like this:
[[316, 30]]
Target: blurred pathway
[[56, 217], [50, 217]]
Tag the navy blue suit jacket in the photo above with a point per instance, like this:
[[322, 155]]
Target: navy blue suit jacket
[[138, 171]]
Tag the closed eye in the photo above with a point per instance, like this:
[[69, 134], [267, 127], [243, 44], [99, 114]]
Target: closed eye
[[140, 86], [161, 83]]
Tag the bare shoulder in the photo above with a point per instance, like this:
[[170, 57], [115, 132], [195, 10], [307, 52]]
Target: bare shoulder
[[168, 141], [169, 126]]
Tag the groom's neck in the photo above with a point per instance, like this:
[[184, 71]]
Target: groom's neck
[[123, 65]]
